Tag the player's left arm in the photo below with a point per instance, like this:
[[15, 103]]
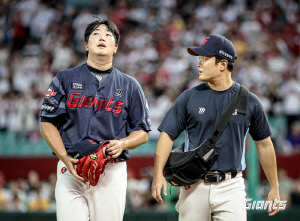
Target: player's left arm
[[135, 139], [138, 123], [267, 158]]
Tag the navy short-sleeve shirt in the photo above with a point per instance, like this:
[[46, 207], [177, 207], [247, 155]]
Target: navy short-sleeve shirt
[[198, 110], [89, 110]]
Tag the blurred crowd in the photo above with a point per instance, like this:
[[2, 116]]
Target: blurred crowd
[[40, 38], [27, 194], [31, 194], [289, 189]]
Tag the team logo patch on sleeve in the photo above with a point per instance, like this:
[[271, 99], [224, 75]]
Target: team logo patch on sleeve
[[49, 93], [77, 86]]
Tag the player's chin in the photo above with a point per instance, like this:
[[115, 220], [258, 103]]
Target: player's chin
[[104, 52], [202, 77], [101, 53]]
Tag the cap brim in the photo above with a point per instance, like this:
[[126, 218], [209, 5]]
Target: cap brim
[[199, 51], [87, 146]]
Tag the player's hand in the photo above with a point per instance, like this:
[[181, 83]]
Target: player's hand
[[274, 194], [115, 148], [69, 162], [159, 182]]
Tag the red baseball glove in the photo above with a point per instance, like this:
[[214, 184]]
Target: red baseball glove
[[91, 166]]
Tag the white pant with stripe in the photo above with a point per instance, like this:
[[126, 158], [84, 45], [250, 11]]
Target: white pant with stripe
[[104, 202]]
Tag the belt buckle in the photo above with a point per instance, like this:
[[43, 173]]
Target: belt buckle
[[205, 177], [215, 175]]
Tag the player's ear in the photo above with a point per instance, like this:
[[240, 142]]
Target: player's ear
[[86, 46], [115, 49], [223, 64]]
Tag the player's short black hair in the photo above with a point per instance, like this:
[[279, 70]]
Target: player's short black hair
[[110, 25], [230, 64]]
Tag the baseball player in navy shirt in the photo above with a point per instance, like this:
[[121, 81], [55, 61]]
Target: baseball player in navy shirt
[[197, 111], [94, 102]]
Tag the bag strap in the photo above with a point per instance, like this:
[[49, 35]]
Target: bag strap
[[242, 106], [239, 100]]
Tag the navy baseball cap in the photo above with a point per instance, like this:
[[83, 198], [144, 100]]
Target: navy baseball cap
[[88, 146], [215, 45]]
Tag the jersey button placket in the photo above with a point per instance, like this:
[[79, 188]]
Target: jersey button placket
[[97, 95]]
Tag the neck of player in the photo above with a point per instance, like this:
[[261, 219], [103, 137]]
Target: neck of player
[[220, 84], [101, 63]]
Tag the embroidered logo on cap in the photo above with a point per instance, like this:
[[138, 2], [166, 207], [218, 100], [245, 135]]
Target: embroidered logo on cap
[[92, 142], [225, 54], [205, 40]]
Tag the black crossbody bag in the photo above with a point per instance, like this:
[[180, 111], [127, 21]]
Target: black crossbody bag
[[186, 168]]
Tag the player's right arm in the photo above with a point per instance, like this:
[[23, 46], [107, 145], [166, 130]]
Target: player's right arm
[[52, 108], [172, 125], [162, 152], [53, 139]]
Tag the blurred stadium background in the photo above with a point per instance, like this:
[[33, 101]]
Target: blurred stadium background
[[39, 38]]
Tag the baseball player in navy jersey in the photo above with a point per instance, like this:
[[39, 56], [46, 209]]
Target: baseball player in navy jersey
[[197, 111], [85, 106]]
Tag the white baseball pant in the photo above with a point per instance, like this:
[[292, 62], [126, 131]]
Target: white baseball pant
[[223, 201], [104, 202]]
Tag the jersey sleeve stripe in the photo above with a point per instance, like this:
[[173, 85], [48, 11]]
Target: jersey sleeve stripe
[[56, 82], [62, 106]]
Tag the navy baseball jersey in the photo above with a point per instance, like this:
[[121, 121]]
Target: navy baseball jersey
[[87, 109], [198, 110]]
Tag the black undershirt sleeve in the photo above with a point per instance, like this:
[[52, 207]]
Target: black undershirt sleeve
[[53, 120]]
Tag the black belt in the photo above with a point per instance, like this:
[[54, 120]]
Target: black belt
[[216, 177]]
